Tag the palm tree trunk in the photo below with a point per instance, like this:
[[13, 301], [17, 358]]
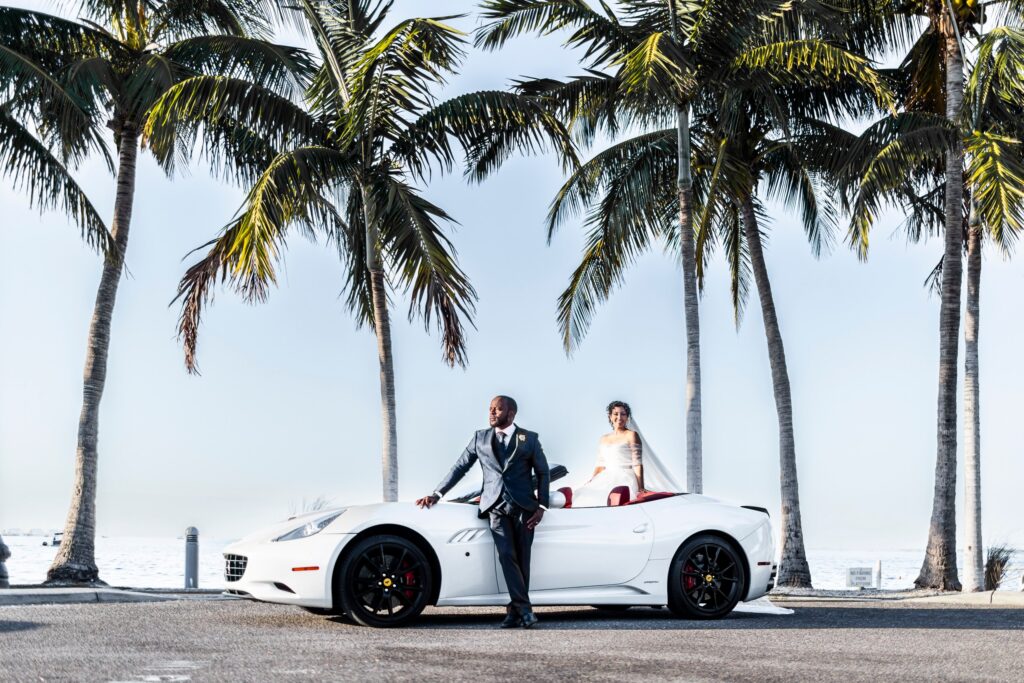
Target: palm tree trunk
[[76, 560], [684, 182], [793, 567], [939, 567], [694, 450], [382, 327], [974, 563], [5, 553]]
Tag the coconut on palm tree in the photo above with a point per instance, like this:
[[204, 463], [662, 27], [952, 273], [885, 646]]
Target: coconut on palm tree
[[344, 168], [114, 65]]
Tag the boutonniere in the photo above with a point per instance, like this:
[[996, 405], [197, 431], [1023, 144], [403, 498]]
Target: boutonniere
[[522, 437]]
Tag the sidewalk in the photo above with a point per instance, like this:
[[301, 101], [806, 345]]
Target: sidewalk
[[996, 598], [41, 595]]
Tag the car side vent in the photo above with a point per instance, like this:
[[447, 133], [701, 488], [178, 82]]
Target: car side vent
[[755, 509], [466, 535]]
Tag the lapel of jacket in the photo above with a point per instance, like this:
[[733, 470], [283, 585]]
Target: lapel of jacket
[[490, 447], [515, 446]]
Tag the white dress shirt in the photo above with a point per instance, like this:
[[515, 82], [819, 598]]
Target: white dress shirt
[[509, 432]]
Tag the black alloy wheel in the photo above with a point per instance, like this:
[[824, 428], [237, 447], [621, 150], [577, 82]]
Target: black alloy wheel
[[384, 581], [707, 578]]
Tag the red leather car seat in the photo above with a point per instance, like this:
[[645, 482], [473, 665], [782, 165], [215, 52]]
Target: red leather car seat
[[618, 496], [567, 492]]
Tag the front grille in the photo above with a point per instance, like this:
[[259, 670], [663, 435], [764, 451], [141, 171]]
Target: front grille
[[234, 566]]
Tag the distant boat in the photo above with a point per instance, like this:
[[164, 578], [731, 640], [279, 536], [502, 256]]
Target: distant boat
[[58, 536]]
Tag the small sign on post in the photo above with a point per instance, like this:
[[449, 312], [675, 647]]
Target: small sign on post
[[859, 577]]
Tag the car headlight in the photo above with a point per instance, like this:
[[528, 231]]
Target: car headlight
[[310, 528]]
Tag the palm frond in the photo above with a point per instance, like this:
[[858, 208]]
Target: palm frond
[[289, 193], [600, 35], [811, 62], [646, 162], [207, 100], [280, 68], [737, 256], [490, 126], [392, 78], [35, 171], [996, 175], [655, 68], [425, 264]]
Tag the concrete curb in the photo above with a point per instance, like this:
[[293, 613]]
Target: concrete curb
[[65, 596], [994, 598], [987, 598]]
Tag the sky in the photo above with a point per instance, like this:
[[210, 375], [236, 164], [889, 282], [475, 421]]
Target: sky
[[287, 407]]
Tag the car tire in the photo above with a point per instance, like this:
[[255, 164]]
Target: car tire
[[384, 581], [707, 578]]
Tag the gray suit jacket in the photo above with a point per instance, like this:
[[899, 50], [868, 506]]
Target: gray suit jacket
[[525, 459]]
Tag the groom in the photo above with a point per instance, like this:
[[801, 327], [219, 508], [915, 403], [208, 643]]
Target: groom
[[509, 456]]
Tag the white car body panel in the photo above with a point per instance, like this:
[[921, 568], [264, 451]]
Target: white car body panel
[[581, 556]]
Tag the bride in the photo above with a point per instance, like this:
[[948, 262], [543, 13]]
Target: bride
[[623, 459]]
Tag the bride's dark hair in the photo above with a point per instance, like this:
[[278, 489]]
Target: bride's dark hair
[[619, 404]]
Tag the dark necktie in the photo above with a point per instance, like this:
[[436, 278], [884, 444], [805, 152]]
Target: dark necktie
[[501, 448]]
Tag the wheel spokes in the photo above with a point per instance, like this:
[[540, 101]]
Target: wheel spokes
[[382, 585], [707, 586]]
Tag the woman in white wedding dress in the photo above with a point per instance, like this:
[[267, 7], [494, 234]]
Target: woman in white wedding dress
[[622, 460]]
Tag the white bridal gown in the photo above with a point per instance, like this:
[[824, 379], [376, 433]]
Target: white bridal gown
[[618, 461]]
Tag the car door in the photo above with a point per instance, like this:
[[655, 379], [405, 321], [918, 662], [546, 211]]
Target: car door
[[589, 547]]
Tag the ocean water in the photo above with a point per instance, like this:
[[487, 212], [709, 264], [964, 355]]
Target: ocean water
[[160, 563]]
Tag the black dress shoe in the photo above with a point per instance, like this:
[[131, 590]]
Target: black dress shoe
[[529, 619], [513, 620]]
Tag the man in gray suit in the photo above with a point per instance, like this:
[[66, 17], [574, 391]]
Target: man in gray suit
[[509, 457]]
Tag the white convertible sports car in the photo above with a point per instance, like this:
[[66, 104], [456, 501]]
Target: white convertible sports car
[[382, 564]]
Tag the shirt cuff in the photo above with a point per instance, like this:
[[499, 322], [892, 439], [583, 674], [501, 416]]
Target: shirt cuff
[[438, 495], [543, 507]]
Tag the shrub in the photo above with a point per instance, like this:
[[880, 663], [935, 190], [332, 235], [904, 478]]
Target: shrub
[[996, 562]]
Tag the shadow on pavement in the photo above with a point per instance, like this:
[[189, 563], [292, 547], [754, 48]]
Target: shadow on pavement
[[809, 618], [14, 626]]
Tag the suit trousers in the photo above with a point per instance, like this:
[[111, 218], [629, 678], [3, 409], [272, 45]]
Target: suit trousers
[[513, 540]]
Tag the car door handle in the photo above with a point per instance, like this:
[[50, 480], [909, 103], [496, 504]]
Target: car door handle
[[640, 529]]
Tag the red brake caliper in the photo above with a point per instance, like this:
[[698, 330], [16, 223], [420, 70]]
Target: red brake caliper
[[410, 580], [688, 581]]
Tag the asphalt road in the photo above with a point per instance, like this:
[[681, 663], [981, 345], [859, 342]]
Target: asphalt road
[[233, 640]]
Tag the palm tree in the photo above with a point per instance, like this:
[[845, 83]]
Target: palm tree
[[113, 67], [774, 80], [916, 159], [660, 52], [344, 170], [661, 57], [995, 177]]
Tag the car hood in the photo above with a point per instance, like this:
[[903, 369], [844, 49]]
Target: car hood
[[271, 532]]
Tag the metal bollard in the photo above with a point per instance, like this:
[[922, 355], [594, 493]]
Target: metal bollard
[[191, 557], [878, 574], [5, 553]]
